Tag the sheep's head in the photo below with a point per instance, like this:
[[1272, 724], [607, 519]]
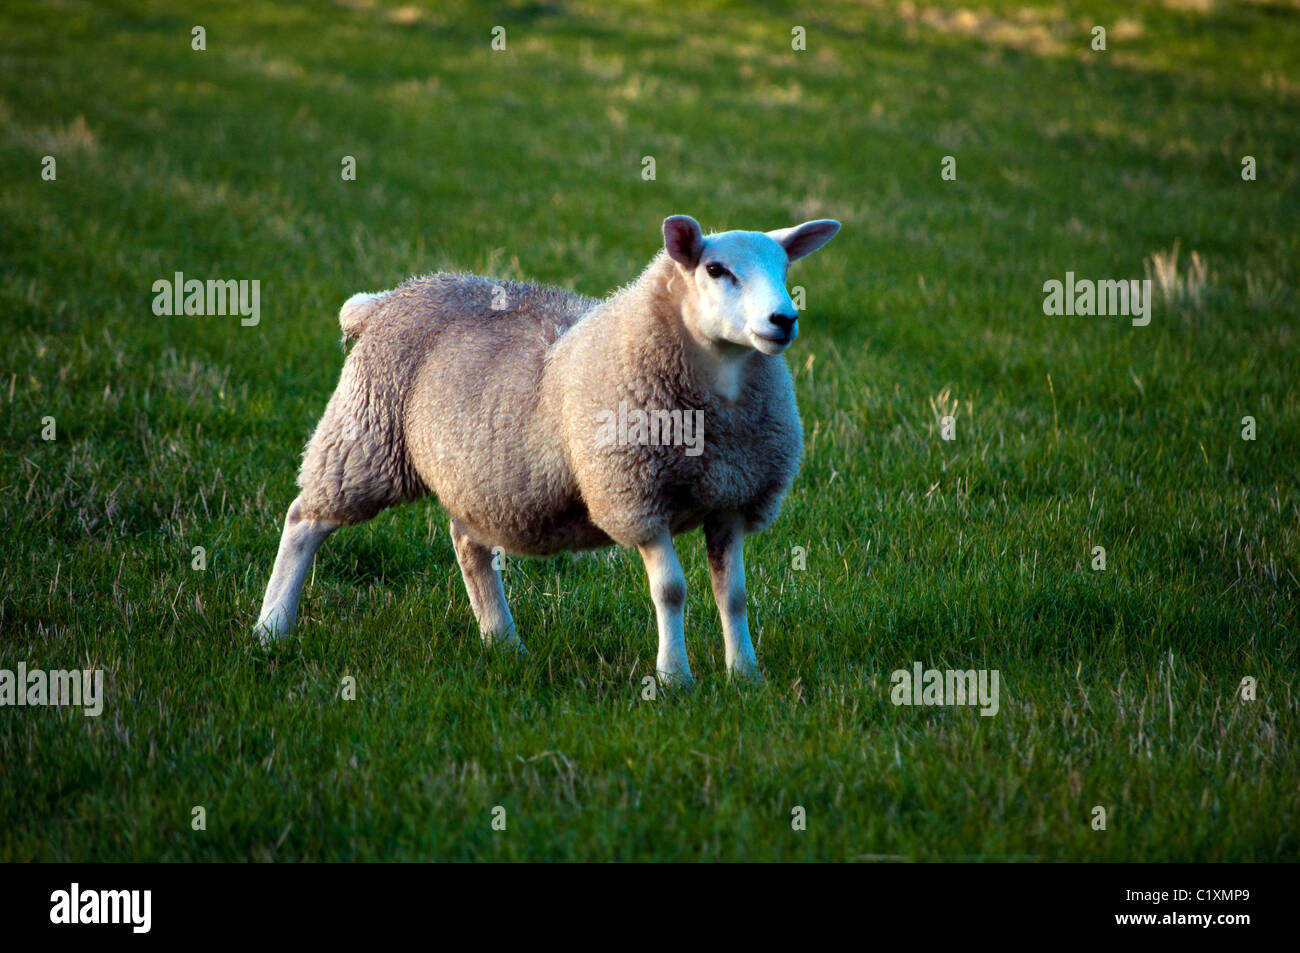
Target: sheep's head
[[736, 280]]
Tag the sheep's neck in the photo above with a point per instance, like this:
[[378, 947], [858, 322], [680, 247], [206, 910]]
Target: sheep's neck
[[652, 309], [721, 367]]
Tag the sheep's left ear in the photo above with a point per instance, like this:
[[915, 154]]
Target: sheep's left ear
[[802, 240], [683, 239]]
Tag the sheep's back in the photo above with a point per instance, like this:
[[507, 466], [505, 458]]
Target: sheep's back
[[473, 426]]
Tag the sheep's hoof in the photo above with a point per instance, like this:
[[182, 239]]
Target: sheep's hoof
[[506, 641], [267, 634], [747, 674], [681, 681]]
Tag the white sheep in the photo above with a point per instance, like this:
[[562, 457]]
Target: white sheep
[[545, 421]]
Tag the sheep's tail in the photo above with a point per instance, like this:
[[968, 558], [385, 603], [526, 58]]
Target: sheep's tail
[[356, 313]]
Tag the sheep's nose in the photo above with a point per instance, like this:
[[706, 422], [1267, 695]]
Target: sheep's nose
[[784, 321]]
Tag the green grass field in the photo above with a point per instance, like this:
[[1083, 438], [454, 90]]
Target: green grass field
[[1120, 688]]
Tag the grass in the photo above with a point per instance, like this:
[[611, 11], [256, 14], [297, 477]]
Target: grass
[[1119, 687]]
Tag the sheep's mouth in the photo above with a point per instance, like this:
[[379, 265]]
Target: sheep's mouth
[[774, 341]]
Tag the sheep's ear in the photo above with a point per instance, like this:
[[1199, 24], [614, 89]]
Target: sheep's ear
[[683, 239], [805, 239]]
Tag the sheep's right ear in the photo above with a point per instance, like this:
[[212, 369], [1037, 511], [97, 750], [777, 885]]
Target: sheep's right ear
[[805, 239], [683, 239]]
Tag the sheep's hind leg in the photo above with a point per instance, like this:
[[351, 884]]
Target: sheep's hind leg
[[668, 590], [487, 597], [724, 539], [298, 545]]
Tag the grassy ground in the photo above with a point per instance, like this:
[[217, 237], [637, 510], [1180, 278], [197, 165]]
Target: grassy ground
[[1119, 688]]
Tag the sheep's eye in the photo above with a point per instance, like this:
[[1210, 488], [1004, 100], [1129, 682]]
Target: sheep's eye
[[715, 270]]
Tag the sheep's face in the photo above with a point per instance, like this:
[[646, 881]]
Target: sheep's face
[[737, 291]]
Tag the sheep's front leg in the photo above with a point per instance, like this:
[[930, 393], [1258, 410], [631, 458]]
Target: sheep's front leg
[[298, 545], [487, 596], [724, 538], [668, 590]]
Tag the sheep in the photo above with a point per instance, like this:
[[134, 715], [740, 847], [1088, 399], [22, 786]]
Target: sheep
[[510, 403]]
